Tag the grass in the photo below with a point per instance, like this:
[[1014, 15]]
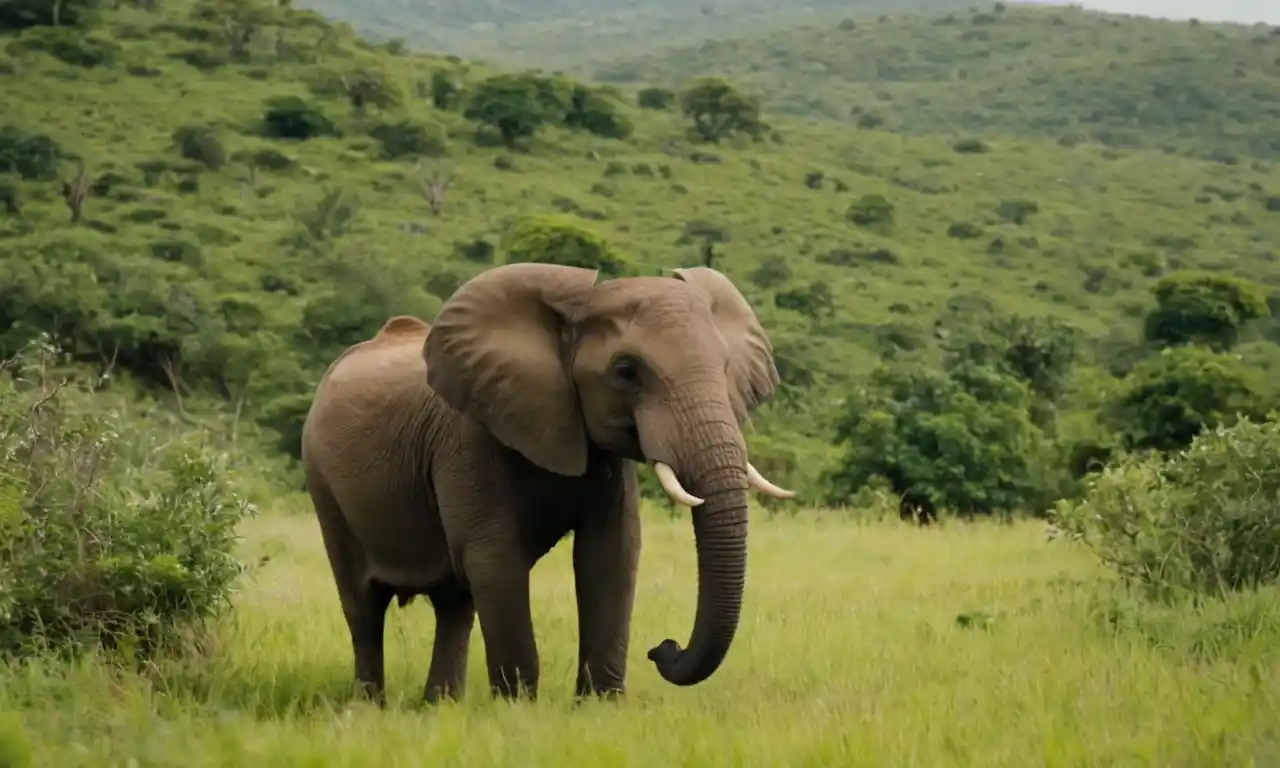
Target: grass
[[564, 33], [1059, 73], [861, 644]]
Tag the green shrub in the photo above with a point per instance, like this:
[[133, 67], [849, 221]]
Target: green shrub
[[109, 534], [1201, 521], [71, 46], [555, 239], [201, 144], [409, 138], [290, 117], [33, 156], [872, 211], [655, 98]]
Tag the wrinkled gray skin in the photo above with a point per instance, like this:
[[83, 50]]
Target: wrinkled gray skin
[[446, 460]]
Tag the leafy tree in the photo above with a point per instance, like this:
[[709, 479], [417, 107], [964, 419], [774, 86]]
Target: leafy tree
[[446, 92], [241, 21], [362, 86], [593, 111], [655, 98], [1169, 398], [719, 110], [554, 239], [934, 440], [29, 155], [510, 103], [1038, 351], [21, 14], [1195, 308]]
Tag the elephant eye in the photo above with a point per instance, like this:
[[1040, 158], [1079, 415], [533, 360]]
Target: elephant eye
[[627, 370]]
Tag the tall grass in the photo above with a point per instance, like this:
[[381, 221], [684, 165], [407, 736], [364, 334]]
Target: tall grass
[[861, 644]]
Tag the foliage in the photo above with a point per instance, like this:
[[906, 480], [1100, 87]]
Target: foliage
[[1169, 398], [933, 438], [510, 104], [108, 534], [561, 240], [1062, 73], [719, 110], [564, 34], [238, 273], [1193, 308], [1202, 520]]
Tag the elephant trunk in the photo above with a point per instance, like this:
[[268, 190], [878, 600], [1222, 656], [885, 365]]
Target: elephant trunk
[[716, 470]]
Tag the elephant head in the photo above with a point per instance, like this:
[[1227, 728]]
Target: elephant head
[[662, 370]]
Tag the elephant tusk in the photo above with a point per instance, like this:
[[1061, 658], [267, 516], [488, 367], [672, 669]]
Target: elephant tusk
[[667, 476], [760, 483]]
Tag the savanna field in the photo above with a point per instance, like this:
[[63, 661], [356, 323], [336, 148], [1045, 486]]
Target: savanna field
[[1040, 301], [860, 644]]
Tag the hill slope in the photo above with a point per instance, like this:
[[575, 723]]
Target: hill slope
[[211, 256], [1060, 73], [565, 34]]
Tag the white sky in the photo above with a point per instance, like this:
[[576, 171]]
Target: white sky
[[1244, 11]]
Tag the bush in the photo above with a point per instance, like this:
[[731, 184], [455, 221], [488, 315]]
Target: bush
[[70, 46], [596, 112], [655, 98], [1201, 521], [201, 144], [33, 156], [108, 535], [409, 138], [872, 211], [289, 117], [561, 240]]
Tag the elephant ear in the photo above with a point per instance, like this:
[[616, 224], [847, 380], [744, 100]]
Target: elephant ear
[[495, 354], [754, 378]]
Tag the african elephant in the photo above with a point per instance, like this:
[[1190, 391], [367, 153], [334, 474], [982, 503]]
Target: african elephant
[[446, 459]]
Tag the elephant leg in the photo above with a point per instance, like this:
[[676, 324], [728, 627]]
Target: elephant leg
[[364, 600], [499, 580], [455, 618], [606, 555]]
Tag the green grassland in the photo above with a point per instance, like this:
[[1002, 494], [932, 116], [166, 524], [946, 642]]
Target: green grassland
[[218, 270], [565, 34], [254, 270], [1059, 73], [860, 645]]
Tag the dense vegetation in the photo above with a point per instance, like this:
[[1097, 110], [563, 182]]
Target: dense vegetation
[[203, 203], [219, 197], [566, 33], [1060, 73]]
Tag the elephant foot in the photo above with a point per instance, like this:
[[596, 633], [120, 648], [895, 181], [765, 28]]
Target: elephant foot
[[436, 694], [600, 694], [372, 693]]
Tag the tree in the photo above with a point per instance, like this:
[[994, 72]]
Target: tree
[[1170, 398], [719, 110], [593, 111], [510, 103], [1038, 351], [553, 239], [241, 21], [1196, 308], [937, 444]]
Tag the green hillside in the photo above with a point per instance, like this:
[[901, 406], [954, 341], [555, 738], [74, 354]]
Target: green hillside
[[212, 254], [1060, 73], [568, 33]]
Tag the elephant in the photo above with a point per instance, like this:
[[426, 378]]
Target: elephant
[[445, 459]]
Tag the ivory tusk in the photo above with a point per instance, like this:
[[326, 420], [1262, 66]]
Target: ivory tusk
[[760, 483], [667, 476]]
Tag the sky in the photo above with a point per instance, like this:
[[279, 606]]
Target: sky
[[1243, 11]]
